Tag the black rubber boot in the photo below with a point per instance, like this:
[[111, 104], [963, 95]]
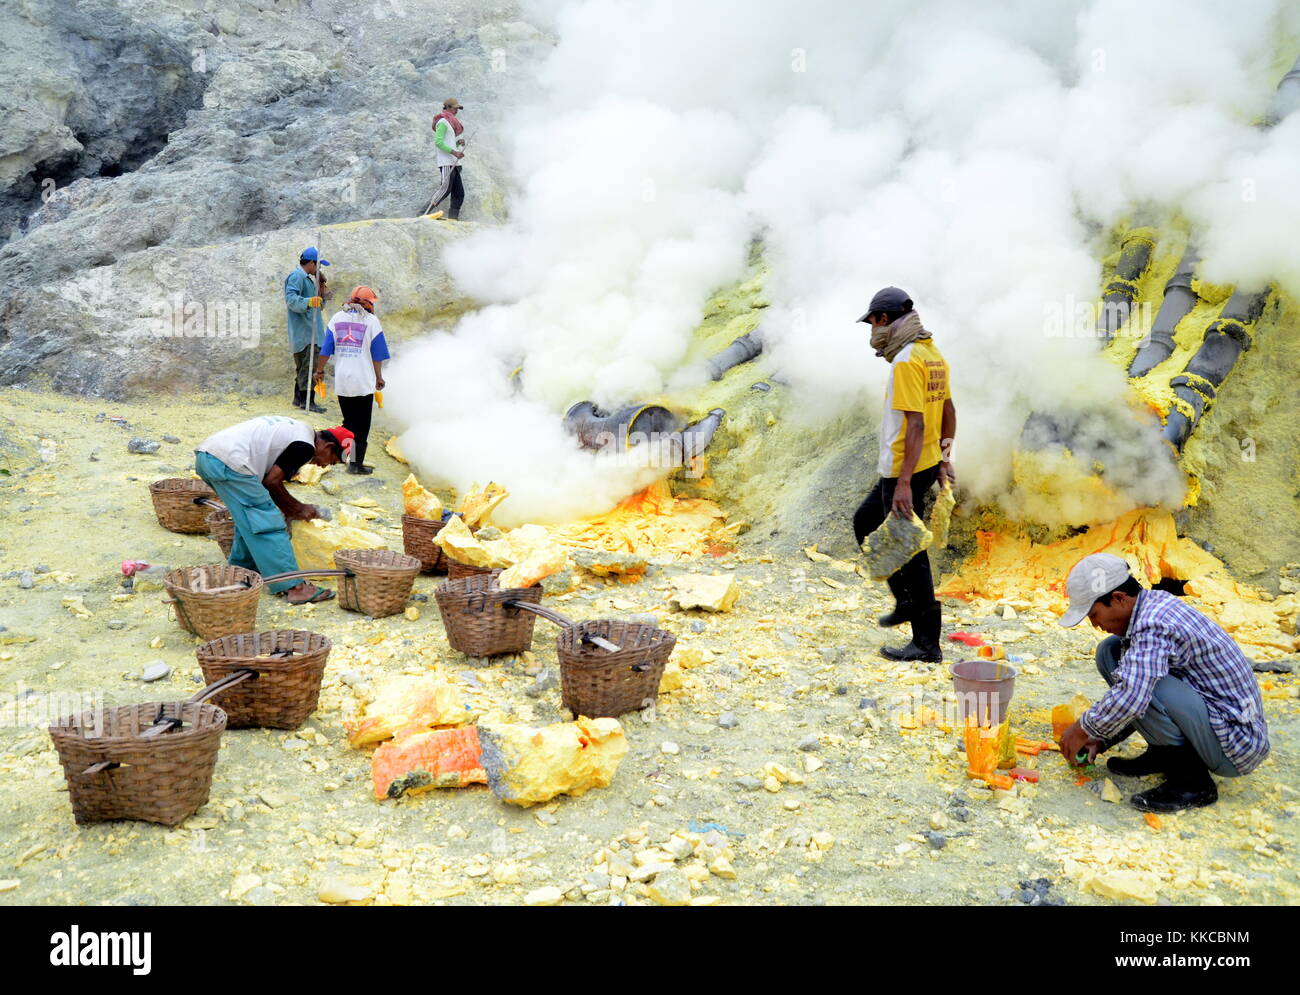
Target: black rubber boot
[[902, 612], [315, 408], [1154, 761], [1187, 784], [360, 468], [925, 638]]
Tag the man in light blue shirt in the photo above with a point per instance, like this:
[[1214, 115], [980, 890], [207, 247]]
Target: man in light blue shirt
[[306, 331]]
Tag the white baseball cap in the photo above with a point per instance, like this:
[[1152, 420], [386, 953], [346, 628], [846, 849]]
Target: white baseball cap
[[1092, 577]]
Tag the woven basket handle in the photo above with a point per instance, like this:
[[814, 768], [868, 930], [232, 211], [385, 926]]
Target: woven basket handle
[[217, 686], [550, 614], [208, 502], [297, 574]]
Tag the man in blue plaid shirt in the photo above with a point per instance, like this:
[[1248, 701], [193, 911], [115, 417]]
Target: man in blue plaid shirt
[[1176, 677]]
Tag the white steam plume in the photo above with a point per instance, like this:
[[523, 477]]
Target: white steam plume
[[968, 153]]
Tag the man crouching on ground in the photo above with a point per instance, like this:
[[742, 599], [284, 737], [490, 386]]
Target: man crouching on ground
[[1175, 677]]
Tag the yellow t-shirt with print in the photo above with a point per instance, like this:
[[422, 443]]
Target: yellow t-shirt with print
[[918, 381]]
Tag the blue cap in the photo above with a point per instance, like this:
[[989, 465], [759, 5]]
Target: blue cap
[[309, 256]]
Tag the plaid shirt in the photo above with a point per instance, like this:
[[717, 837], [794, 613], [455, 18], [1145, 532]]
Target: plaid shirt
[[1166, 636]]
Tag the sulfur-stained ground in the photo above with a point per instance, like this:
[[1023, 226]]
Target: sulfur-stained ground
[[883, 814]]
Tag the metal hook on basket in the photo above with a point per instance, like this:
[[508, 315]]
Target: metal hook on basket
[[551, 615], [208, 502], [221, 684], [299, 574]]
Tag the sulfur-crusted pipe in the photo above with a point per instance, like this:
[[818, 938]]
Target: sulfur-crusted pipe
[[696, 437], [600, 429], [742, 350], [1287, 97], [1179, 300], [1226, 338], [1122, 291]]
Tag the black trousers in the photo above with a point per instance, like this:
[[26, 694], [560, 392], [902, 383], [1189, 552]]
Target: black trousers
[[356, 419], [450, 184], [912, 583]]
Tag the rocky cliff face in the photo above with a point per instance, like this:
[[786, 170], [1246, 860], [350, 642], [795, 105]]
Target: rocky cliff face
[[170, 158]]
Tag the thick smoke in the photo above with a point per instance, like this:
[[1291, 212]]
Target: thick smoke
[[969, 153]]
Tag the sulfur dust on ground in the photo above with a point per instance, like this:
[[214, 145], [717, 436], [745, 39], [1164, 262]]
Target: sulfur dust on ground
[[795, 664]]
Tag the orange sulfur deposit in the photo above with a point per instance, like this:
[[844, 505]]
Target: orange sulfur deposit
[[438, 758], [1008, 566], [653, 522]]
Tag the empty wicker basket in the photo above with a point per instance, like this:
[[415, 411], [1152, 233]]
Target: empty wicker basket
[[597, 682], [289, 665], [222, 528], [114, 772], [175, 504], [477, 619], [379, 581], [214, 600], [417, 540]]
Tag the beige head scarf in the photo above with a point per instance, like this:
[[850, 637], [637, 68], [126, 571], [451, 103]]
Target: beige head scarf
[[889, 340]]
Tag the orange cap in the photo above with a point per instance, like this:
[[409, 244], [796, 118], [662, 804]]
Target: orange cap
[[366, 297]]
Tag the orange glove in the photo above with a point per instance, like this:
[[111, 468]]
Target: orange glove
[[314, 302]]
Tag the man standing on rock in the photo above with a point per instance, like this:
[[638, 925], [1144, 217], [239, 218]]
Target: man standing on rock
[[1175, 677], [306, 332], [449, 144], [916, 436], [248, 465]]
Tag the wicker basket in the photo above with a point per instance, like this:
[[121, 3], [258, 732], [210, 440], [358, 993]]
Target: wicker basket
[[174, 502], [115, 773], [380, 582], [214, 600], [477, 620], [459, 571], [289, 665], [598, 683], [417, 540], [222, 528]]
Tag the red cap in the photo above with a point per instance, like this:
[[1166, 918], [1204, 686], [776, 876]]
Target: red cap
[[343, 437]]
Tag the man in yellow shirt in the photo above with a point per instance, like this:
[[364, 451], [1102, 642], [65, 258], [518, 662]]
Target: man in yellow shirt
[[916, 436]]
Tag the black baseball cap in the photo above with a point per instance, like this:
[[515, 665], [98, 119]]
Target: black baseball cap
[[890, 299]]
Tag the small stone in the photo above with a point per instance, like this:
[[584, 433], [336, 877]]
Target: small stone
[[670, 748], [721, 867], [330, 487], [698, 626], [42, 568], [812, 763], [275, 799], [937, 841], [680, 848], [155, 671], [171, 438], [412, 613], [9, 884], [340, 891], [116, 623], [26, 581], [749, 783], [143, 447], [1110, 793], [242, 885], [961, 814], [728, 720], [1005, 893], [542, 683], [549, 895], [809, 742], [670, 887], [938, 820]]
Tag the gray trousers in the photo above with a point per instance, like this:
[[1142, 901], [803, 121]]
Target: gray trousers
[[302, 363], [1176, 715]]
